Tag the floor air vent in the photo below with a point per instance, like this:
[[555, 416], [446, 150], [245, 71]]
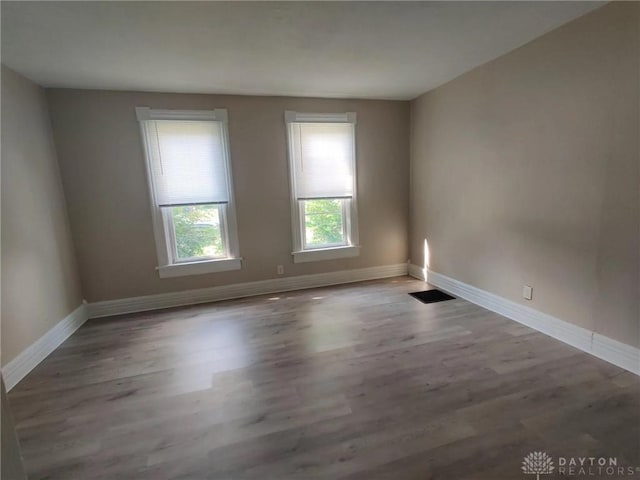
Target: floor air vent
[[431, 296]]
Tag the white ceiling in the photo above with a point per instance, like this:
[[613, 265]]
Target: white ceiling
[[394, 50]]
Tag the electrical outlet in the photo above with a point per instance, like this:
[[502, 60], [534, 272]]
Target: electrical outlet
[[280, 270], [527, 292]]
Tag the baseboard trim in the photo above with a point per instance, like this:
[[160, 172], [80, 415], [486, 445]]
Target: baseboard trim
[[238, 290], [29, 358], [417, 272], [618, 353]]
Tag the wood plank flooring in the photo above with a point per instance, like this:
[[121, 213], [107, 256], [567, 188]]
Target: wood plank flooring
[[358, 381]]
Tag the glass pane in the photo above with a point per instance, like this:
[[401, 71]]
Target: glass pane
[[324, 223], [197, 231]]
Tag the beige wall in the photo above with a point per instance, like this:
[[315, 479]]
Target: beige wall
[[526, 171], [102, 165], [40, 285]]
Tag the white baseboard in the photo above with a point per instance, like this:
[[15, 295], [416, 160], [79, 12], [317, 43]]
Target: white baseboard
[[28, 359], [226, 292], [618, 353], [417, 272]]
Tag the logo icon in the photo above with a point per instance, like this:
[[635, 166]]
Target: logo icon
[[537, 463]]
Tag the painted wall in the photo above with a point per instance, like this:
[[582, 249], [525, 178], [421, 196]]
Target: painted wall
[[526, 171], [40, 283], [102, 163]]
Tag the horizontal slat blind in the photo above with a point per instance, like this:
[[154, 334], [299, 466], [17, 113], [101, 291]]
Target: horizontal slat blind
[[187, 161], [323, 159]]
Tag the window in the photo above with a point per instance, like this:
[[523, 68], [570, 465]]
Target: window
[[191, 190], [323, 185]]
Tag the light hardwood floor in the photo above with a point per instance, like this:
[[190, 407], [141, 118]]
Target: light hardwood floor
[[358, 381]]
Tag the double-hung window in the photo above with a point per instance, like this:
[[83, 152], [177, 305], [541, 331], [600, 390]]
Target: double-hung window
[[322, 169], [190, 184]]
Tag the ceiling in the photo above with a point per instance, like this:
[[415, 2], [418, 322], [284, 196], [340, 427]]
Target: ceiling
[[394, 50]]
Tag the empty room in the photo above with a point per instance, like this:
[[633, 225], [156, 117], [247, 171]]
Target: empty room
[[320, 240]]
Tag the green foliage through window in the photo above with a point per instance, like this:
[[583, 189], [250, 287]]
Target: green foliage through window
[[323, 222], [197, 231]]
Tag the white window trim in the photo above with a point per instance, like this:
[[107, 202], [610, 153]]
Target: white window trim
[[352, 249], [298, 117], [333, 253], [217, 115], [199, 268], [165, 268]]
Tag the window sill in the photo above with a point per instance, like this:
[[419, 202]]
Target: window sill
[[333, 253], [199, 268]]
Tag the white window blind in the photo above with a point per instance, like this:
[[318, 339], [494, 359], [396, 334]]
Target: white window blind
[[188, 162], [322, 159]]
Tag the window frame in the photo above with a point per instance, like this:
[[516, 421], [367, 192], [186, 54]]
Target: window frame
[[173, 242], [168, 263], [345, 225], [302, 254]]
